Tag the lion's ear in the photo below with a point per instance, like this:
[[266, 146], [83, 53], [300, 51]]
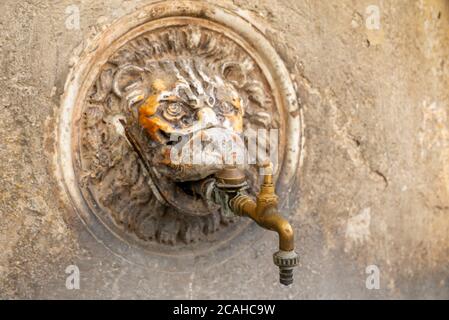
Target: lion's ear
[[127, 79], [237, 72], [129, 84]]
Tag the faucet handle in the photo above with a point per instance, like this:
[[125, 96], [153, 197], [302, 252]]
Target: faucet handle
[[286, 261], [267, 194]]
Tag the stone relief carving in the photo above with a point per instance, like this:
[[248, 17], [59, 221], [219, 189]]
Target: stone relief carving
[[189, 69]]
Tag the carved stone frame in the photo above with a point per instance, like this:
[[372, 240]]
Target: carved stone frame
[[242, 29]]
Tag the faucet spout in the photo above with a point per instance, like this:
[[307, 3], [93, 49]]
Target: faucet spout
[[267, 217], [272, 220], [264, 211]]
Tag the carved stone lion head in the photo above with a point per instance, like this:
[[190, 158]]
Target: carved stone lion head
[[191, 112]]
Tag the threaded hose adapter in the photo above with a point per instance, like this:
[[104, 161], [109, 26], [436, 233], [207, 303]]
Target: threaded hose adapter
[[286, 261]]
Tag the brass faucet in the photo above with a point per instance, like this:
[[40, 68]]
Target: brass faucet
[[231, 184]]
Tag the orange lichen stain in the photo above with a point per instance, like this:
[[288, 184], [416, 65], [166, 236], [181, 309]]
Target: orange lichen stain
[[166, 160], [149, 107], [236, 119], [236, 102], [152, 124]]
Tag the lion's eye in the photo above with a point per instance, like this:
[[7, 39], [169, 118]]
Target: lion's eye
[[174, 111], [227, 108], [186, 121]]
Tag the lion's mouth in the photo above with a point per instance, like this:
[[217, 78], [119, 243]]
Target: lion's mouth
[[202, 153], [173, 169]]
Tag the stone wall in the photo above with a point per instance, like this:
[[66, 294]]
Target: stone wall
[[373, 180]]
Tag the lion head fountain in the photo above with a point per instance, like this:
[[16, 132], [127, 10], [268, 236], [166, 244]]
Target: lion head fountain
[[171, 89]]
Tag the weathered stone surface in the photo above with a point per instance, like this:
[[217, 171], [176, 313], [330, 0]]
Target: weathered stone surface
[[373, 182]]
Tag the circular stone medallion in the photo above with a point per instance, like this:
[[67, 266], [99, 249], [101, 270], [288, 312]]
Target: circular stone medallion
[[207, 47]]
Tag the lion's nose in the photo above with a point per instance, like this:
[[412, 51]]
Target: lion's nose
[[207, 117]]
